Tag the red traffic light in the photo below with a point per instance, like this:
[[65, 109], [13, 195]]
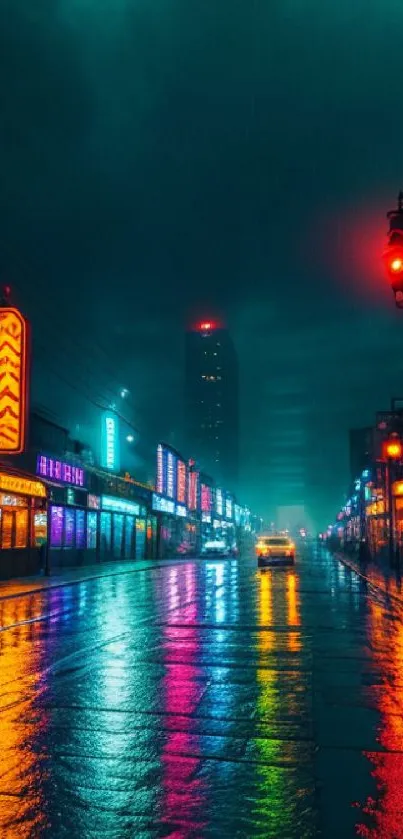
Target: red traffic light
[[392, 449], [393, 259]]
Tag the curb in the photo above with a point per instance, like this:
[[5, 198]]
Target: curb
[[62, 583], [368, 580]]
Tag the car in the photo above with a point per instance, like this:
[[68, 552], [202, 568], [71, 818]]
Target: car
[[219, 548], [275, 550]]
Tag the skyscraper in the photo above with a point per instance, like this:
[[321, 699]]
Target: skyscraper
[[362, 449], [212, 401]]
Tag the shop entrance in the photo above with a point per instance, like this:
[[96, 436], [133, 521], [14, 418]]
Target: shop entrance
[[14, 522]]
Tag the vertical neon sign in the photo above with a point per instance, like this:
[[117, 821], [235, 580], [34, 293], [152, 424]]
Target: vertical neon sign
[[181, 482], [205, 498], [193, 490], [110, 452], [170, 475], [160, 469], [13, 380]]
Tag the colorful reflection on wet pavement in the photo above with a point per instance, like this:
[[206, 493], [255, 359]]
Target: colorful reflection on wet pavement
[[203, 699]]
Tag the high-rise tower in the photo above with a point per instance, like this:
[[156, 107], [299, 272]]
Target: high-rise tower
[[212, 401]]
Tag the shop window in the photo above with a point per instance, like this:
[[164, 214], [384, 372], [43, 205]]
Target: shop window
[[140, 538], [80, 528], [129, 536], [91, 530], [117, 535], [39, 529], [21, 528], [106, 531], [69, 516], [56, 526]]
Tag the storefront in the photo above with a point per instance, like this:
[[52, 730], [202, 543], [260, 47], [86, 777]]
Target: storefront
[[175, 533], [71, 540], [123, 529], [22, 524]]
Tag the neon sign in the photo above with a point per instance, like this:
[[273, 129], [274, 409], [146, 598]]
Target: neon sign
[[181, 482], [193, 488], [160, 468], [219, 502], [58, 470], [170, 475], [228, 508], [12, 483], [13, 380], [110, 454], [163, 505], [206, 498], [119, 505]]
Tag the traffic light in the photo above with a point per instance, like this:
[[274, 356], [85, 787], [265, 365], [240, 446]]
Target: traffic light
[[392, 448], [393, 254]]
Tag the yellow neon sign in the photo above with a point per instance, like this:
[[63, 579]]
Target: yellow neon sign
[[13, 380], [12, 483]]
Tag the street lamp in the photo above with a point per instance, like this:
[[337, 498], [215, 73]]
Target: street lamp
[[130, 438]]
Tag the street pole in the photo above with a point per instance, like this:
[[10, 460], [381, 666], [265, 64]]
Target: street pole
[[390, 515]]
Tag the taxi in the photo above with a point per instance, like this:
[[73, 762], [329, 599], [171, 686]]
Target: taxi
[[275, 550]]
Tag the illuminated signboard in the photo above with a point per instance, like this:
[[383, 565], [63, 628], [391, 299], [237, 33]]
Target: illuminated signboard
[[171, 474], [119, 505], [12, 483], [228, 508], [181, 511], [206, 498], [160, 468], [219, 502], [94, 502], [237, 514], [193, 490], [181, 482], [110, 453], [58, 470], [13, 380], [163, 505], [206, 518]]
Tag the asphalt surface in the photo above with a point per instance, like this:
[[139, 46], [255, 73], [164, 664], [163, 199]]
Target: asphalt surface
[[203, 699]]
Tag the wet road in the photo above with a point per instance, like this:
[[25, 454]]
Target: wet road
[[203, 699]]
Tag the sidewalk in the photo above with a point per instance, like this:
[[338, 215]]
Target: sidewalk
[[380, 576], [19, 587]]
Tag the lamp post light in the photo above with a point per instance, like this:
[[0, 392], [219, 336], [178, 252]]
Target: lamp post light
[[392, 451]]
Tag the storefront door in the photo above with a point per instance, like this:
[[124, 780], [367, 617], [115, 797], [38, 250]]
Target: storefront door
[[14, 528]]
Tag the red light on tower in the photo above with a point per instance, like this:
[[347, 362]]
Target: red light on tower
[[206, 326]]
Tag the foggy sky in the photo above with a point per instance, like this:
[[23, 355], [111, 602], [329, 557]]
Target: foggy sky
[[164, 159]]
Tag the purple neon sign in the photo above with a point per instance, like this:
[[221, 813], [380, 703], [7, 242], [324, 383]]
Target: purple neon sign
[[58, 470]]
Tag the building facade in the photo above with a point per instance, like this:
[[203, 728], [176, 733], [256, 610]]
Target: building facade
[[212, 401]]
